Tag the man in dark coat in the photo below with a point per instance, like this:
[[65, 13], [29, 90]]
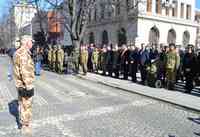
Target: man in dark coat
[[109, 61], [89, 63], [125, 61], [134, 59], [144, 60], [116, 61], [189, 68], [103, 60]]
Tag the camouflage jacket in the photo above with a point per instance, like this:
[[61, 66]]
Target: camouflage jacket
[[173, 61], [60, 55], [84, 57], [23, 69], [50, 55]]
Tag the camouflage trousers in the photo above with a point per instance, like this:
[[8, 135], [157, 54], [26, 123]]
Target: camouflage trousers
[[84, 67], [171, 78], [60, 67], [25, 111], [54, 66], [170, 75]]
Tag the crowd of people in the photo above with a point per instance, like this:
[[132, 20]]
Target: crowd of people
[[159, 66], [3, 50]]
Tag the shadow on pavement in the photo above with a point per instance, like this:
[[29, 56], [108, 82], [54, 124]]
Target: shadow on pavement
[[198, 134], [13, 109]]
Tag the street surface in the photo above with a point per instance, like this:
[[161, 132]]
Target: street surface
[[67, 106]]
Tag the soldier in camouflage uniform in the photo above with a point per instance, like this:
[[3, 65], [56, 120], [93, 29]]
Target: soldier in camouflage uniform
[[50, 57], [24, 77], [95, 56], [84, 59], [60, 59], [54, 58], [172, 64]]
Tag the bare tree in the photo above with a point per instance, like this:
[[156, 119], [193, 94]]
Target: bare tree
[[77, 14]]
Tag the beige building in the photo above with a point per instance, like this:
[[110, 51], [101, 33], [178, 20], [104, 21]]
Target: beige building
[[20, 19], [149, 21], [197, 18]]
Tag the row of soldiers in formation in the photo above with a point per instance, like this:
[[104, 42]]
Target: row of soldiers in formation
[[56, 58], [158, 66], [161, 66]]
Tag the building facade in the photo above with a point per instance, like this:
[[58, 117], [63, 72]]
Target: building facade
[[143, 21], [21, 16], [197, 18]]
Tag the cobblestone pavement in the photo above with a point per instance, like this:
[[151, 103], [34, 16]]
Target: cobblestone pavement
[[66, 106]]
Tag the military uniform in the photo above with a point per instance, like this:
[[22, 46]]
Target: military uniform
[[54, 59], [24, 77], [60, 59], [172, 63], [50, 58], [84, 60], [95, 56]]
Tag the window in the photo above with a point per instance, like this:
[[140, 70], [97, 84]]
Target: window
[[174, 11], [90, 16], [128, 5], [188, 12], [95, 14], [109, 10], [158, 6], [149, 5], [167, 11], [102, 11], [118, 8], [182, 10]]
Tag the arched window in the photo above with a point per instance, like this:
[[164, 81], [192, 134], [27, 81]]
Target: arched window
[[171, 38], [154, 36], [122, 39], [158, 6], [105, 39], [118, 6], [91, 38], [186, 38]]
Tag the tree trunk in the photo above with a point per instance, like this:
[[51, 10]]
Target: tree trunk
[[76, 54]]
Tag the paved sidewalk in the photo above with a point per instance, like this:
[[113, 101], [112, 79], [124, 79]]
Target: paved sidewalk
[[173, 97]]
